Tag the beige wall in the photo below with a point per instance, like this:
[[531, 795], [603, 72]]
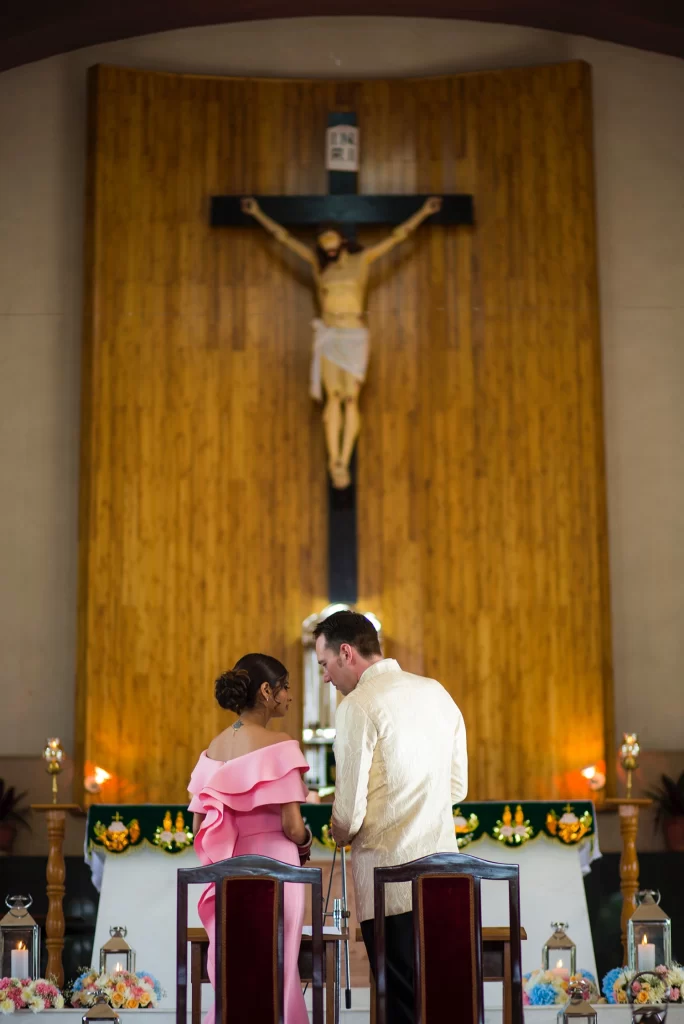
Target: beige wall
[[638, 100]]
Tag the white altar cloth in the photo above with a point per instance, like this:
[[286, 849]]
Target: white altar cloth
[[138, 890], [359, 1014]]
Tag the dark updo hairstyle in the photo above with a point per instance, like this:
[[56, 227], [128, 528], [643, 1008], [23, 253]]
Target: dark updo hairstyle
[[237, 690]]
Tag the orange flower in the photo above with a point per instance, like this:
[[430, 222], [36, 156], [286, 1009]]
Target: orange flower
[[117, 1000], [120, 987], [145, 999], [642, 997], [132, 1004], [621, 997]]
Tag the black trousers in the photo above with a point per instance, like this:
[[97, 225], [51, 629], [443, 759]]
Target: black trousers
[[399, 957]]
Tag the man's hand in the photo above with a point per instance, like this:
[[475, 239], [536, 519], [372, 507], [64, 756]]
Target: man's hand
[[249, 206], [433, 205]]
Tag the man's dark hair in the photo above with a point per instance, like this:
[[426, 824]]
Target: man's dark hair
[[349, 628]]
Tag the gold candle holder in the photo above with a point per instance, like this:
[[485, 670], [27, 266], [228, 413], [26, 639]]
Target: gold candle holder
[[53, 755], [629, 758]]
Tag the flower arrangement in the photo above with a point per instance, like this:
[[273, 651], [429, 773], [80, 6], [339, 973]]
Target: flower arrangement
[[24, 994], [121, 989], [616, 984], [546, 988]]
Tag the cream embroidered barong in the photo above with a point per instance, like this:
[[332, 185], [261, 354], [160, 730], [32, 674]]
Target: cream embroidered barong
[[401, 762]]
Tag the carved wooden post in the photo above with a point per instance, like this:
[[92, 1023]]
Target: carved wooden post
[[56, 870], [628, 810]]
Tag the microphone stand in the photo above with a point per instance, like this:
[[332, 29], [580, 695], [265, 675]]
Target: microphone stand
[[340, 916]]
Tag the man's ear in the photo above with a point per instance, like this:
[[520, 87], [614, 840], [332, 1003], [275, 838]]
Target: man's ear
[[347, 653]]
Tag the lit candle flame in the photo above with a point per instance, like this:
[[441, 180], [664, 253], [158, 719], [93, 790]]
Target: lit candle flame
[[644, 941], [589, 772], [21, 946], [559, 964], [101, 775], [118, 967]]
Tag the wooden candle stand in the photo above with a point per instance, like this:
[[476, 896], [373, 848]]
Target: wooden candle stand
[[55, 874], [628, 809]]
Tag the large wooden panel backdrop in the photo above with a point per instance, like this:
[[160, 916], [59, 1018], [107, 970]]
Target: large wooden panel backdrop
[[481, 487]]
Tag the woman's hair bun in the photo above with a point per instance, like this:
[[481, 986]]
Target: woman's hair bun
[[232, 690], [238, 690]]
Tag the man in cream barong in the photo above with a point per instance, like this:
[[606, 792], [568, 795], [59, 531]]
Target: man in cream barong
[[341, 342], [401, 763]]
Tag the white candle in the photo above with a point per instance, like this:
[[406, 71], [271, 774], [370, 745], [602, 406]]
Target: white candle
[[646, 955], [19, 961]]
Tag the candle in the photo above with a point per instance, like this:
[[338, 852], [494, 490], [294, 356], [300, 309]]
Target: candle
[[560, 971], [118, 968], [19, 962], [646, 955]]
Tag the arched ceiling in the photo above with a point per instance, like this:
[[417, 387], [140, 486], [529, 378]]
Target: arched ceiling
[[43, 28]]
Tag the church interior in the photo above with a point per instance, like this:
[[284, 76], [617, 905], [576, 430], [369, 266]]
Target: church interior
[[375, 309]]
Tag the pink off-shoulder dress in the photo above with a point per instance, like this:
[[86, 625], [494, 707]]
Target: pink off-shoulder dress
[[241, 801]]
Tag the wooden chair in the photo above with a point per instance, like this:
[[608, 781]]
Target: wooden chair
[[447, 922], [249, 934]]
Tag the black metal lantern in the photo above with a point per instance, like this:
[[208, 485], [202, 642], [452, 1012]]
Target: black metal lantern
[[116, 955], [578, 1008], [649, 934], [19, 940], [559, 952]]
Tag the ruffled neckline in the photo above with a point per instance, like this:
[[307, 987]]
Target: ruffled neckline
[[259, 750]]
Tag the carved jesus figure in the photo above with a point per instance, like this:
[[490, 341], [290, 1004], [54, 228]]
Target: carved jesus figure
[[340, 346]]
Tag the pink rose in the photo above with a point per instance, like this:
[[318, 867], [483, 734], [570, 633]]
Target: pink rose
[[636, 986], [526, 999], [675, 993]]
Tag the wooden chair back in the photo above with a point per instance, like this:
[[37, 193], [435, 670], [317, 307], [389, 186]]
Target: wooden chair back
[[447, 922], [249, 934]]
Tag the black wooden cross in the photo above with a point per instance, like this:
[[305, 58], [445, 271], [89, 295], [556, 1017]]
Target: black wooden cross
[[345, 206]]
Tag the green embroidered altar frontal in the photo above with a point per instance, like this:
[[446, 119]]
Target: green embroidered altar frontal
[[122, 828]]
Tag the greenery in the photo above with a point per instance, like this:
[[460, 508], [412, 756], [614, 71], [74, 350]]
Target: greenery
[[10, 809], [668, 798]]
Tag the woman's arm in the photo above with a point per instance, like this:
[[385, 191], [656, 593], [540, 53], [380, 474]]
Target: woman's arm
[[293, 824], [252, 208]]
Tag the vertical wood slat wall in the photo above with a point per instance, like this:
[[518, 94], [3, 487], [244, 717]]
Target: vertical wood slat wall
[[482, 531]]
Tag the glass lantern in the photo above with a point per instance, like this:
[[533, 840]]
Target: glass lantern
[[578, 1008], [19, 940], [649, 934], [559, 952], [100, 1011], [116, 955]]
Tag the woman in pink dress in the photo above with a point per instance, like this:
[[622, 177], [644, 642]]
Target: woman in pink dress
[[246, 793]]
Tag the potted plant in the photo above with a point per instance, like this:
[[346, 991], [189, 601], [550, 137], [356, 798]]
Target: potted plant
[[11, 816], [669, 804]]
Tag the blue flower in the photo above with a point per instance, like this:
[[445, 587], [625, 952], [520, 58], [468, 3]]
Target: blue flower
[[588, 975], [542, 995], [155, 984], [608, 983]]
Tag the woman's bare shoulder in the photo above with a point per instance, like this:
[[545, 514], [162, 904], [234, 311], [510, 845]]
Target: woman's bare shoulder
[[277, 737]]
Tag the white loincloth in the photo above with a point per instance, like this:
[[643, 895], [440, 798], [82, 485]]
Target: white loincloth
[[346, 347]]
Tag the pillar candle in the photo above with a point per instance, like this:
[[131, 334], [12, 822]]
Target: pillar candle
[[646, 956], [19, 962]]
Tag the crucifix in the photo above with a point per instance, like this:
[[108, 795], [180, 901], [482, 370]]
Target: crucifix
[[340, 270]]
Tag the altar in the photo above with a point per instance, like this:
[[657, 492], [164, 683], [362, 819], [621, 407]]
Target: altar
[[135, 850]]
